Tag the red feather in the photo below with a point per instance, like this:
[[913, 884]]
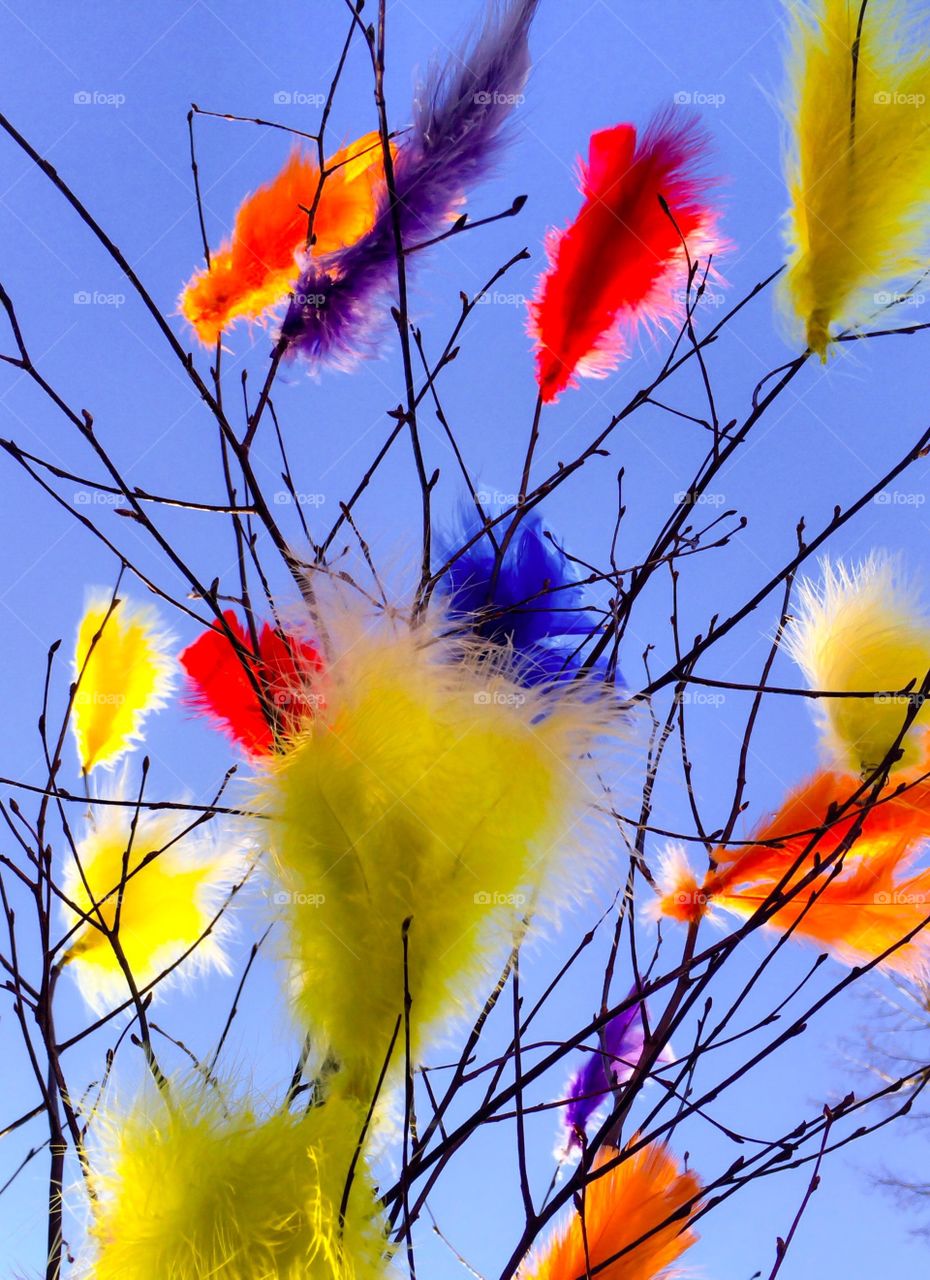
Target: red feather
[[622, 263], [222, 690]]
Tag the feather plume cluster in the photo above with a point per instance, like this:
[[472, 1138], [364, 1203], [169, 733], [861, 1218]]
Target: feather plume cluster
[[533, 600], [854, 895], [631, 1224], [430, 789], [191, 1187], [140, 878], [226, 680], [623, 262], [123, 669], [862, 630], [858, 169], [259, 265], [457, 134]]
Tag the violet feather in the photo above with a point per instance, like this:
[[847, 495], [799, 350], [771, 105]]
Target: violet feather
[[456, 137]]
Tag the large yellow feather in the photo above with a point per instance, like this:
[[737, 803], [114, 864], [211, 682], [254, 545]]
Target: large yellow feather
[[123, 669], [190, 1188], [859, 166], [863, 630], [428, 788], [167, 889]]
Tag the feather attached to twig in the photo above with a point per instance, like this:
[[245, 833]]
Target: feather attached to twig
[[191, 1185], [456, 137], [532, 599], [858, 168], [225, 682], [429, 789], [862, 630], [123, 669], [624, 261], [855, 895], [631, 1223], [259, 265]]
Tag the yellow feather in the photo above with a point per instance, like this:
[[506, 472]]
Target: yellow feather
[[190, 1187], [429, 787], [173, 885], [863, 630], [859, 180], [124, 670]]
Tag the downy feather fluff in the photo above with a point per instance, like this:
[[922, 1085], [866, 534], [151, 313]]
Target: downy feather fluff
[[190, 1186], [430, 788], [858, 166], [258, 266], [862, 629], [123, 669], [622, 264], [619, 1208], [161, 887], [534, 601], [284, 669], [856, 907], [457, 134]]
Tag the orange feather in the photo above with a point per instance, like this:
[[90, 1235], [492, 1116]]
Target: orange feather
[[618, 1209], [259, 264]]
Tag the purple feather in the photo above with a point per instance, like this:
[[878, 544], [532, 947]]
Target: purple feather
[[458, 131], [606, 1070]]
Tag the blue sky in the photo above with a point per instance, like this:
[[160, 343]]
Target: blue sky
[[102, 90]]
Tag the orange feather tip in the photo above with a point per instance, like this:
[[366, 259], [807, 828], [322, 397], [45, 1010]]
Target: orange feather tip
[[258, 266], [632, 1222], [623, 263]]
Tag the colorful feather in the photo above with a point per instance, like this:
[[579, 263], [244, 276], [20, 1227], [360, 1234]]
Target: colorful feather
[[631, 1225], [259, 265], [858, 169], [429, 789], [123, 669], [224, 682], [140, 878], [858, 906], [533, 601], [863, 631], [191, 1186], [457, 135], [623, 262], [606, 1069]]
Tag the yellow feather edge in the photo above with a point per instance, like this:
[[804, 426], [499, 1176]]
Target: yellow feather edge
[[124, 668], [191, 1185], [859, 216], [431, 788], [862, 629]]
